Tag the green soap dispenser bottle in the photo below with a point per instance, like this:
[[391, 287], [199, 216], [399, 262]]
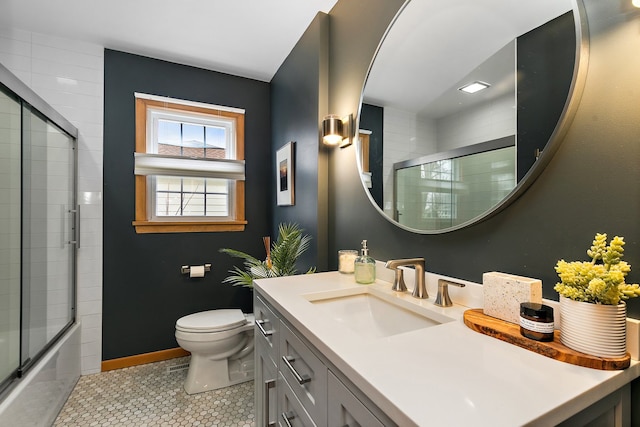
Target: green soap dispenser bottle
[[365, 266]]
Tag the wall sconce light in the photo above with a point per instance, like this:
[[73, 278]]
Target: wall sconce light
[[336, 130]]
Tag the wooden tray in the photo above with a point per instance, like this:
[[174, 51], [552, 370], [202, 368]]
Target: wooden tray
[[510, 332]]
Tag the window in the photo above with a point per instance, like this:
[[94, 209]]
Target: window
[[440, 201], [189, 166]]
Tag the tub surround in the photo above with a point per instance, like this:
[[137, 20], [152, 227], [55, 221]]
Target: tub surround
[[37, 397], [445, 374]]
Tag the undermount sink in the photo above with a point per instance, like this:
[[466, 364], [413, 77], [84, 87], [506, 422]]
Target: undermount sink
[[374, 314]]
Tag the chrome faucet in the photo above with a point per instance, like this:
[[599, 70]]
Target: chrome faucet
[[419, 288]]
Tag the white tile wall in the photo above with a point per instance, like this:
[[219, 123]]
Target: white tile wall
[[405, 137], [491, 120], [68, 74]]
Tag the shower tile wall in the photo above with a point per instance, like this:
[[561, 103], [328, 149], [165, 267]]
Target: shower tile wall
[[492, 120], [69, 75], [405, 137]]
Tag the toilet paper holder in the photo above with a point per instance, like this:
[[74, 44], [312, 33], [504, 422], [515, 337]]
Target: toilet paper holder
[[186, 269]]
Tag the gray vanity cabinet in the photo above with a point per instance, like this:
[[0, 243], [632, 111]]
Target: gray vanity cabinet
[[305, 373], [345, 409], [291, 411], [266, 374], [296, 386], [266, 333]]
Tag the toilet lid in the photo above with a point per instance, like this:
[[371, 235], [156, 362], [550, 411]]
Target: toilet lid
[[212, 320]]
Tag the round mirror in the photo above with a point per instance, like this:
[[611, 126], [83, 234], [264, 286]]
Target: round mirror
[[464, 104]]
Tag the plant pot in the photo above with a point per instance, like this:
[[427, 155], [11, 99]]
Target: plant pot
[[595, 329]]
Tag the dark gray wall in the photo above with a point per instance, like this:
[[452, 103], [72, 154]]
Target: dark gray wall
[[591, 185], [372, 119], [144, 292], [545, 65], [298, 103]]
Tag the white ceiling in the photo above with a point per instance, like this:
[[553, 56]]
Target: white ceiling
[[248, 38], [434, 44]]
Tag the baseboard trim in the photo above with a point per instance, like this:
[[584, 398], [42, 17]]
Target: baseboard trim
[[141, 359]]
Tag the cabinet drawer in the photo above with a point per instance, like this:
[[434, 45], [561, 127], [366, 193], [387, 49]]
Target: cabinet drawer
[[267, 329], [305, 373], [345, 409], [291, 411]]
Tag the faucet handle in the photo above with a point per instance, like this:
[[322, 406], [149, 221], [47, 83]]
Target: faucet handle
[[443, 299], [398, 283]]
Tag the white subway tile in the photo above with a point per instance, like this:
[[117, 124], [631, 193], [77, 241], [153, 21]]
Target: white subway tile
[[91, 321], [89, 307], [13, 47], [90, 294], [90, 335], [91, 348], [69, 75], [15, 34], [90, 274], [78, 46], [63, 55], [90, 184], [90, 364]]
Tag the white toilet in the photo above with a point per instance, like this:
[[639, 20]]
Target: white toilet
[[221, 346]]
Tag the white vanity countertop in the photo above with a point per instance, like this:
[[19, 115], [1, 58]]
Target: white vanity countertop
[[445, 375]]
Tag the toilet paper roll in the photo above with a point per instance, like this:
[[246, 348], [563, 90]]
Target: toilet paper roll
[[196, 271]]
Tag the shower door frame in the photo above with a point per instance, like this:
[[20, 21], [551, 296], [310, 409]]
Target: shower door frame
[[30, 101]]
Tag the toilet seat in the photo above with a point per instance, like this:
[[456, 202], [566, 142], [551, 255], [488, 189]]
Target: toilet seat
[[212, 321]]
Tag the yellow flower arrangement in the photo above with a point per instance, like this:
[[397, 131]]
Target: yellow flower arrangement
[[602, 283]]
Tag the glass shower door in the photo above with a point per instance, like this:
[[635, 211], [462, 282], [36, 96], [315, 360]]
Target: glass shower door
[[10, 212], [48, 229]]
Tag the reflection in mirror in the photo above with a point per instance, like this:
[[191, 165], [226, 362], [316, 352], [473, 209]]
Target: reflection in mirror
[[436, 158]]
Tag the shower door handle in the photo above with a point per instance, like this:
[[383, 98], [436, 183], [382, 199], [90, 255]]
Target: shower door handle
[[76, 226]]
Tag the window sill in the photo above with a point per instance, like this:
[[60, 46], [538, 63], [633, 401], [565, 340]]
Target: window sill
[[145, 227]]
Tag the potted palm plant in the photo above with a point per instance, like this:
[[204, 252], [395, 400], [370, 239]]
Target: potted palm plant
[[592, 299], [281, 257]]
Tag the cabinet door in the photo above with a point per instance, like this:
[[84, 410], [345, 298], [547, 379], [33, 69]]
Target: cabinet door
[[292, 412], [613, 410], [344, 409], [305, 373], [265, 387], [267, 327]]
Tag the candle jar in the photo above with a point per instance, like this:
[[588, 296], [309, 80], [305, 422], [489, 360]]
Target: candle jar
[[346, 260], [536, 321]]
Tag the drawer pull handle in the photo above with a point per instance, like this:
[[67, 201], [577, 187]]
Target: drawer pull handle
[[268, 385], [302, 379], [259, 324], [287, 417]]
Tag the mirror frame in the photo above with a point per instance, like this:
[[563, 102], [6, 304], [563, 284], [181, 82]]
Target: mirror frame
[[564, 123]]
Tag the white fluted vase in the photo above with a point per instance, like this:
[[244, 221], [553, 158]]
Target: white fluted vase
[[596, 329]]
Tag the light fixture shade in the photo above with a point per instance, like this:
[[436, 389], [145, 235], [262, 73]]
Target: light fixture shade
[[332, 130], [474, 87], [157, 164]]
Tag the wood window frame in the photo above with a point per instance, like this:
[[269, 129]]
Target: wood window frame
[[142, 223]]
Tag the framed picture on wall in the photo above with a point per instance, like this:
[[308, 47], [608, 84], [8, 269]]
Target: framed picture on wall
[[284, 178]]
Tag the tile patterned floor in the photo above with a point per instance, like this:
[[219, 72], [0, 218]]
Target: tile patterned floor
[[148, 395]]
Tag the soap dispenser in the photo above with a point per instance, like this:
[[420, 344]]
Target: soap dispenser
[[365, 266]]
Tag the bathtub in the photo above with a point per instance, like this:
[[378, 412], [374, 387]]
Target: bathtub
[[36, 398]]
